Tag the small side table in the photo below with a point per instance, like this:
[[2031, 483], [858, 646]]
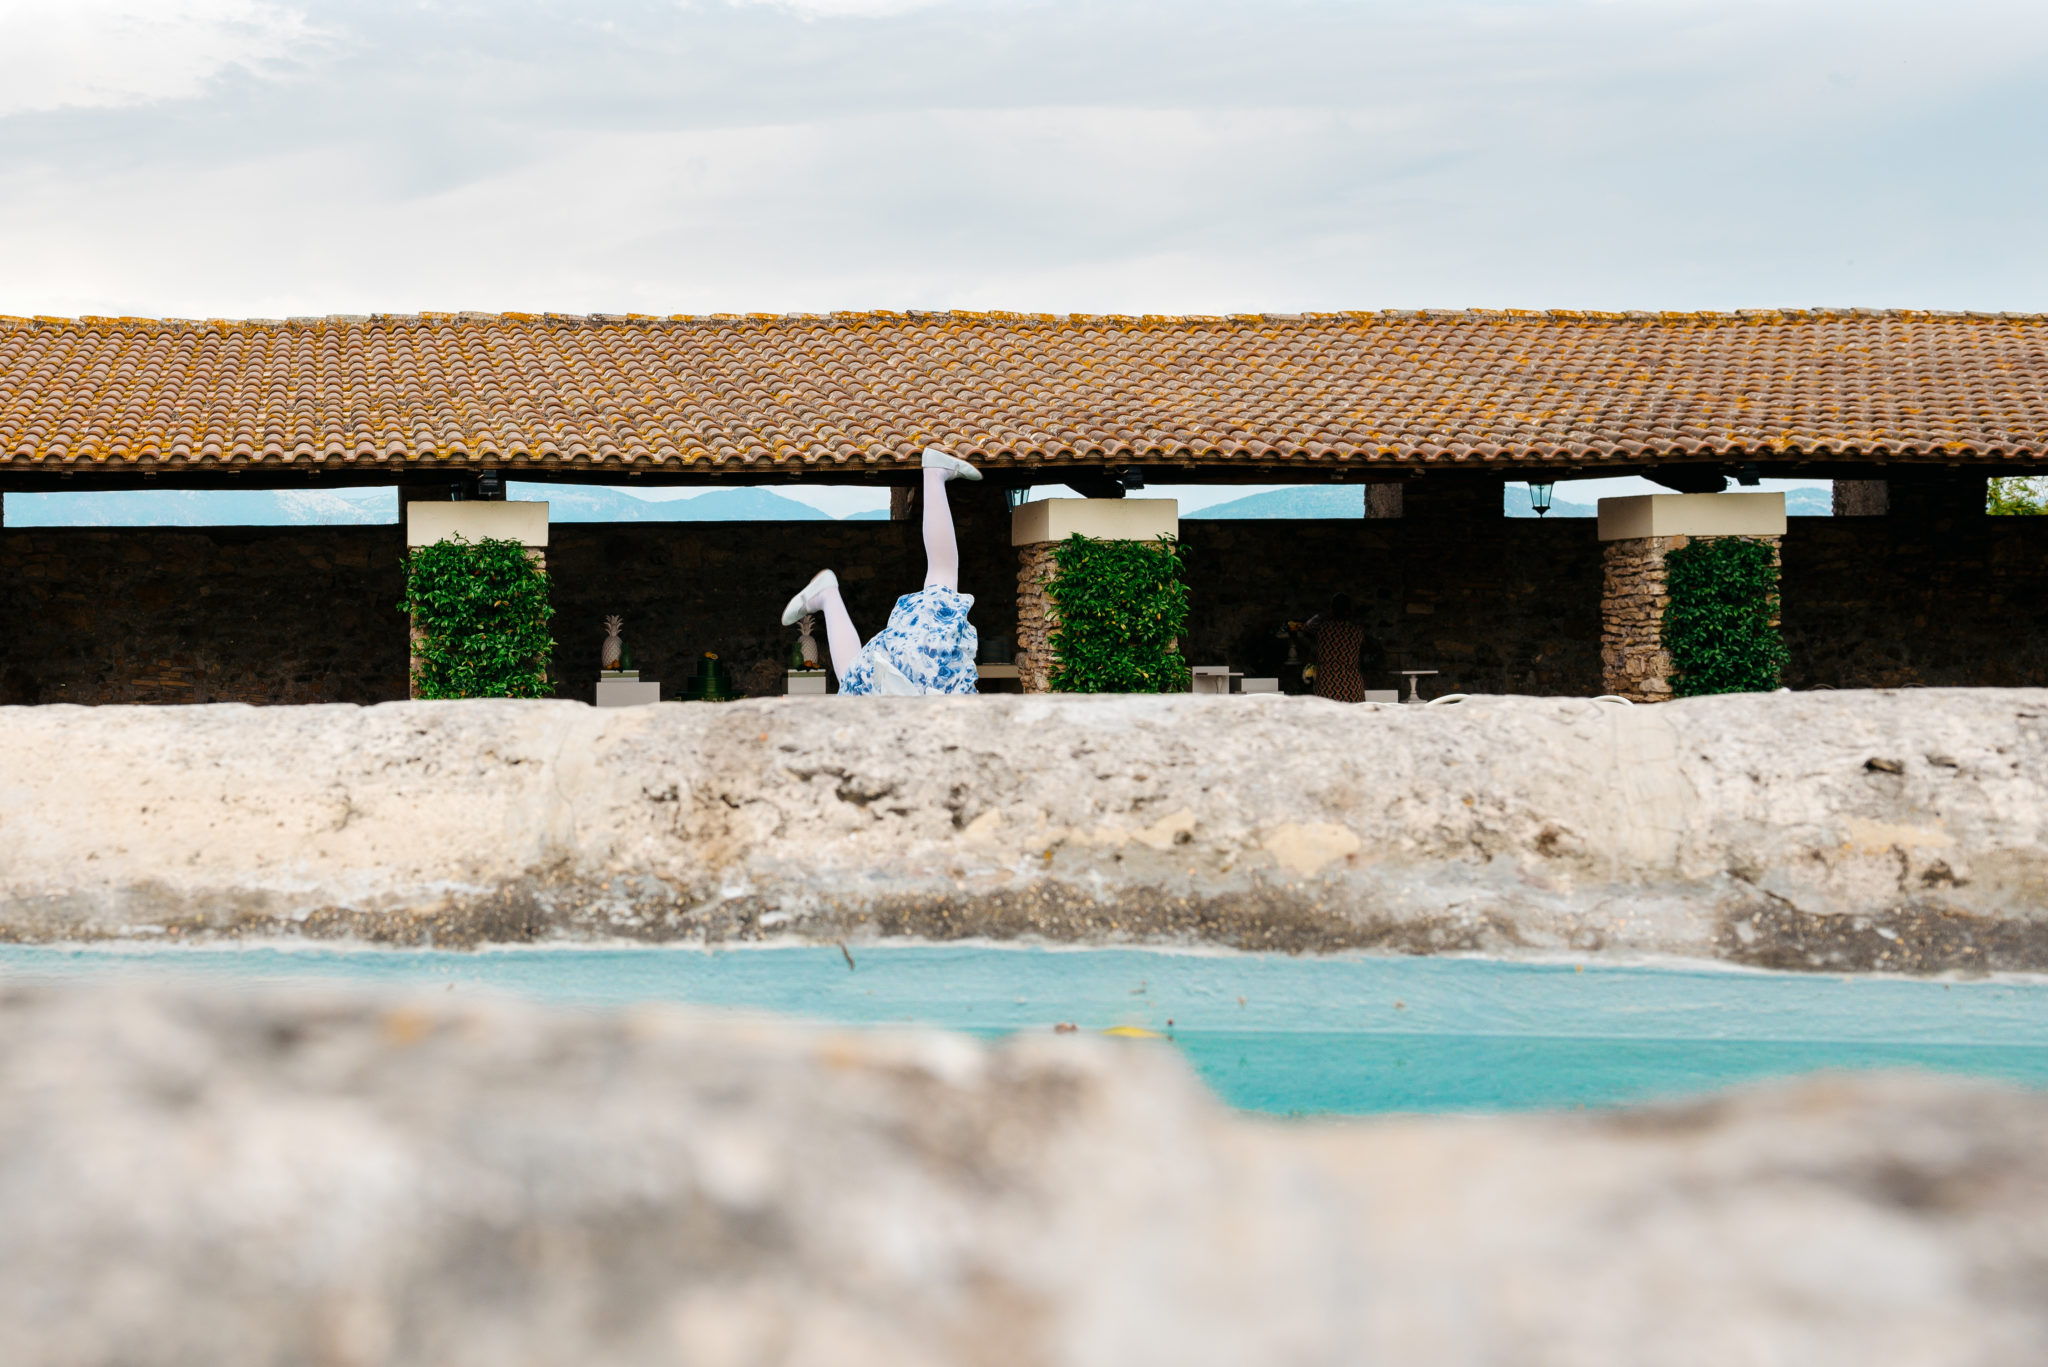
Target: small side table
[[806, 683], [1414, 682]]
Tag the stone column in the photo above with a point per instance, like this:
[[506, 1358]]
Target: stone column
[[1037, 618], [1037, 529], [427, 522], [1639, 533]]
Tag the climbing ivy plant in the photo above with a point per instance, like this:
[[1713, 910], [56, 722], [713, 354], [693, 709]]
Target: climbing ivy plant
[[1721, 625], [480, 614], [1122, 607]]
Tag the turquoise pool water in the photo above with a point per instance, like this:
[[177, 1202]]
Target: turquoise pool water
[[1348, 1034]]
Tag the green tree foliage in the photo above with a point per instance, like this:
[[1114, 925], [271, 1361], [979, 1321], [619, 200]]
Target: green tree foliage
[[1122, 607], [482, 613], [1721, 625], [2010, 495]]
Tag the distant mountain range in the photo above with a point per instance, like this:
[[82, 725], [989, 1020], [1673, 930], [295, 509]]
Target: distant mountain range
[[341, 507], [1342, 500], [586, 503], [204, 508], [742, 503]]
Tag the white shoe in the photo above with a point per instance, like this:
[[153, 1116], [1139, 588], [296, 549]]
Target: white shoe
[[811, 598], [955, 468]]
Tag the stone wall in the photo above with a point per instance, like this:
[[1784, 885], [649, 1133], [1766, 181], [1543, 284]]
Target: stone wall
[[1862, 498], [201, 614], [1882, 602], [1497, 606], [307, 614]]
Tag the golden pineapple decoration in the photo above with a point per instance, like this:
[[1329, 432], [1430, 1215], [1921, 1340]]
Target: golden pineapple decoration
[[614, 648]]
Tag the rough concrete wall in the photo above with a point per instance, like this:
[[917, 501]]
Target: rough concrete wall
[[204, 614], [1900, 831], [216, 1181]]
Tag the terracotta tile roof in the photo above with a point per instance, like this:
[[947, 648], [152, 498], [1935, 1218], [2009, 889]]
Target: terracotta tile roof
[[840, 391]]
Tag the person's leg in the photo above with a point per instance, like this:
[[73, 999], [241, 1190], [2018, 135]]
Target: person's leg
[[941, 549], [840, 637], [822, 595]]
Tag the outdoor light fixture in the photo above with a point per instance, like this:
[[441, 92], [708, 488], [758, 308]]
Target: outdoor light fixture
[[1539, 495]]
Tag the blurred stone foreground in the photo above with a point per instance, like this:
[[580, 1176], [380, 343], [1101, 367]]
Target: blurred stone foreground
[[227, 1179]]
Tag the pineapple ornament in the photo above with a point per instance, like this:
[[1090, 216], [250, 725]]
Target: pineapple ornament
[[614, 648], [805, 642]]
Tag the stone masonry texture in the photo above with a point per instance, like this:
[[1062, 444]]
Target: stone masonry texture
[[1904, 831], [202, 614], [1634, 595], [225, 1179], [1633, 661], [1037, 618]]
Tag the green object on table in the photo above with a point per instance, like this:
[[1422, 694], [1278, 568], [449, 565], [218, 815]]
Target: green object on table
[[710, 683]]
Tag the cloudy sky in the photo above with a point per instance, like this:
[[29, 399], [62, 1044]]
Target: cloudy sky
[[259, 158]]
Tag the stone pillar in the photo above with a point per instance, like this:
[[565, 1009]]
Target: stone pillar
[[428, 521], [1639, 533], [1862, 497], [1037, 529], [1383, 500], [1633, 661], [1037, 619]]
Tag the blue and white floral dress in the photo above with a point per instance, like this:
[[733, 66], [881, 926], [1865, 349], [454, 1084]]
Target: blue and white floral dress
[[928, 647]]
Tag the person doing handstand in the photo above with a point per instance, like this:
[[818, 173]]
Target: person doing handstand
[[929, 645]]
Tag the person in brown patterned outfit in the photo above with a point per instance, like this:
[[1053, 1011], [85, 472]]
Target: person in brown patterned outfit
[[1339, 640]]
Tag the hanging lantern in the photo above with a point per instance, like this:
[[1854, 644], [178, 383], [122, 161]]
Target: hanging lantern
[[1539, 495]]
